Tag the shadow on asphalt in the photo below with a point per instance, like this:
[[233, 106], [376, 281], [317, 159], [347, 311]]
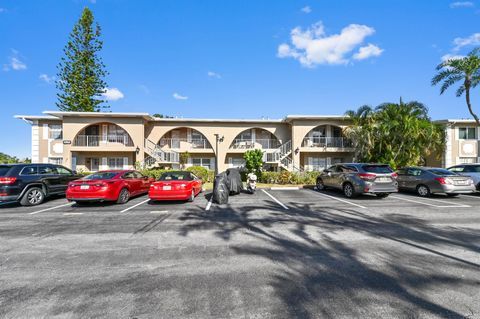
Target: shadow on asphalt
[[316, 271]]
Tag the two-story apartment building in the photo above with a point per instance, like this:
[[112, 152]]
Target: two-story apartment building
[[96, 141]]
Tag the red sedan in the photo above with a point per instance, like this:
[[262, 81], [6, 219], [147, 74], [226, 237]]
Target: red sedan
[[179, 185], [115, 185]]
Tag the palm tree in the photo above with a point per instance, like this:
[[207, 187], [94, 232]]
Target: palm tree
[[466, 69]]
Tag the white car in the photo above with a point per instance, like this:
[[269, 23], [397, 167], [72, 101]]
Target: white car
[[471, 170]]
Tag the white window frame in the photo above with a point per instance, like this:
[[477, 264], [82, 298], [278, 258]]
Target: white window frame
[[117, 163], [202, 161], [467, 130], [55, 160], [55, 131]]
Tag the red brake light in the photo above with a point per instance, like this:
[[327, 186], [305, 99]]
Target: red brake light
[[394, 175], [7, 180], [367, 176], [443, 180]]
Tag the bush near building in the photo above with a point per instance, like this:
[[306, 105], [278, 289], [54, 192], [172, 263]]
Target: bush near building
[[286, 177]]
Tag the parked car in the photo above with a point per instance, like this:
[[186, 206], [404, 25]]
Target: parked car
[[176, 185], [430, 180], [359, 178], [470, 170], [113, 185], [31, 184]]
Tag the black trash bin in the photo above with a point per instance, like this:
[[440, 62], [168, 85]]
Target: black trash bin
[[234, 181], [220, 189]]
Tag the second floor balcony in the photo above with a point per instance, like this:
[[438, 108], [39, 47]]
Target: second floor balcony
[[327, 142], [185, 144], [241, 144], [100, 140]]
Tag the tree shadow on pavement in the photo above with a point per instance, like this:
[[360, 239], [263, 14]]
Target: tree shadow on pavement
[[322, 270]]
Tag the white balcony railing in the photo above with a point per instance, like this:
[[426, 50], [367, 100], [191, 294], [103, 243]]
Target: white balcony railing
[[99, 140], [181, 143], [321, 141], [257, 143]]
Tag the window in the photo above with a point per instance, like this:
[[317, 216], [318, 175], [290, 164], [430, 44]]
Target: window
[[457, 169], [128, 175], [466, 160], [60, 170], [246, 135], [175, 176], [204, 162], [441, 172], [379, 169], [55, 160], [466, 133], [45, 170], [237, 162], [472, 168], [55, 131], [4, 169], [115, 163], [196, 135], [414, 172], [337, 131], [317, 163], [29, 170], [105, 175], [137, 175], [401, 171]]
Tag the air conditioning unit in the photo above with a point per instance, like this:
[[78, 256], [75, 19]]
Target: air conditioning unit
[[468, 148]]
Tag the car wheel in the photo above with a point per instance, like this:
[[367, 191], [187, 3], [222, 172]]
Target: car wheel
[[423, 191], [452, 195], [33, 196], [382, 195], [192, 196], [348, 190], [320, 185], [124, 196]]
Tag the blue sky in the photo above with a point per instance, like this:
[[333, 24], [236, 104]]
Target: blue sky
[[238, 59]]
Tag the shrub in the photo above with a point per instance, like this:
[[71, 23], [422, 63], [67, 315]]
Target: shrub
[[200, 171], [269, 177], [153, 172], [286, 177], [254, 161]]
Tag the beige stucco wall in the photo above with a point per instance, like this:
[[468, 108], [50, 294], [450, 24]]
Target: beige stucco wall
[[48, 147], [73, 126], [82, 157]]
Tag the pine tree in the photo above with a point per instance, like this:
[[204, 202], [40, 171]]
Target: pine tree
[[81, 72]]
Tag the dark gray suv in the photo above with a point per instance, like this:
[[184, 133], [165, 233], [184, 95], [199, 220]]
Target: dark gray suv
[[359, 178]]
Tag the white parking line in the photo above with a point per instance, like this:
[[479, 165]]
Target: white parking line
[[341, 200], [278, 202], [292, 188], [159, 212], [209, 204], [72, 214], [429, 204], [51, 208], [132, 207]]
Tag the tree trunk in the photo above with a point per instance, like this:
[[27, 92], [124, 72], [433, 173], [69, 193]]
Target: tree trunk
[[467, 98]]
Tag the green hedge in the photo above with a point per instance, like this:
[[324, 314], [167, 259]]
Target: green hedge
[[286, 177], [203, 173]]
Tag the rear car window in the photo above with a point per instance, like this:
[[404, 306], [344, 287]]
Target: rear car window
[[175, 176], [4, 169], [472, 169], [440, 171], [105, 175], [379, 169], [29, 170]]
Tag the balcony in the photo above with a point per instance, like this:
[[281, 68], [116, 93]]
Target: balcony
[[327, 142], [99, 140], [185, 144], [244, 144]]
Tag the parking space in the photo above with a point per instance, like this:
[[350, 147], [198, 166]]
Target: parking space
[[251, 257]]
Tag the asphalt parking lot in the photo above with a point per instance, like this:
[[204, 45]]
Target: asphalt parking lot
[[274, 254]]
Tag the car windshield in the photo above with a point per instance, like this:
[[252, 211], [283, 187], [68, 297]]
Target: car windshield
[[440, 171], [175, 176], [4, 169], [379, 169], [104, 175]]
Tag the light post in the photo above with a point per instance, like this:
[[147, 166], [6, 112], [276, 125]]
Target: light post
[[218, 139]]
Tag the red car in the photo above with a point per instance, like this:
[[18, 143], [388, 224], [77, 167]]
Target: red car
[[177, 185], [115, 185]]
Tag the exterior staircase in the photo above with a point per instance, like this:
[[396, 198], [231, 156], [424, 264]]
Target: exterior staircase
[[157, 155], [282, 156]]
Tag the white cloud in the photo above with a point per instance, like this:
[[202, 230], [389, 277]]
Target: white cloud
[[214, 75], [47, 79], [113, 94], [177, 96], [462, 4], [472, 40], [306, 9], [14, 62], [451, 57], [367, 51], [313, 46]]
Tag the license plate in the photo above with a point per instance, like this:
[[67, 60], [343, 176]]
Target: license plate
[[167, 188], [383, 180], [84, 186], [461, 183]]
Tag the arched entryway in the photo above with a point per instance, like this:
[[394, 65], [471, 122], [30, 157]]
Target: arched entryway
[[325, 136], [255, 138]]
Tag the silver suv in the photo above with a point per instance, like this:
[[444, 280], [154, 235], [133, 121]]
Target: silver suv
[[359, 178]]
